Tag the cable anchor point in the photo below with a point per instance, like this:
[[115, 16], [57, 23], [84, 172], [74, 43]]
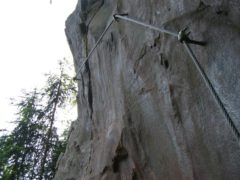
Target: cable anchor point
[[183, 36], [121, 14]]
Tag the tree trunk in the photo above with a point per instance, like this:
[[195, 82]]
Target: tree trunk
[[49, 133]]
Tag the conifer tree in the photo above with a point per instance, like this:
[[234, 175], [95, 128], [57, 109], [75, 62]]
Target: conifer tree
[[31, 150]]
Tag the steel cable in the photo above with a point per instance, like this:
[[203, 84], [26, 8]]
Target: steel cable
[[92, 50], [212, 90], [146, 25], [191, 54]]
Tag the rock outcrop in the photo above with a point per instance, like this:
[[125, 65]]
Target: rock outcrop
[[144, 111]]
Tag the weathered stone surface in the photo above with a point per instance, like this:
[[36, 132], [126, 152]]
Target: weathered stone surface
[[144, 110]]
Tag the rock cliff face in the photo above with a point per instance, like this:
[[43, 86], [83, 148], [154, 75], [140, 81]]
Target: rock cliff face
[[144, 112]]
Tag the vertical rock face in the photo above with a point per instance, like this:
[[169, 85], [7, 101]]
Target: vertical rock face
[[144, 110]]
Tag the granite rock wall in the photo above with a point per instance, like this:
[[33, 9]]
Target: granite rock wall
[[144, 111]]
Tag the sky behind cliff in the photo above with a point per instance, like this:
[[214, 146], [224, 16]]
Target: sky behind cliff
[[32, 40]]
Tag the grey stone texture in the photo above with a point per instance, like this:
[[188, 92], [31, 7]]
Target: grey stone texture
[[144, 112]]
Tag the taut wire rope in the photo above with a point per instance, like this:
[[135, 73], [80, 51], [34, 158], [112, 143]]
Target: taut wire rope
[[95, 46], [211, 88], [146, 25], [183, 38]]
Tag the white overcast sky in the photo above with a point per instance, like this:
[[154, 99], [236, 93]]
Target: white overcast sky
[[32, 40]]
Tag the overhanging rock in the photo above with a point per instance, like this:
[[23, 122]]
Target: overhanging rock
[[144, 111]]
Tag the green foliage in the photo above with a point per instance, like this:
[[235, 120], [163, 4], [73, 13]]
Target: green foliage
[[31, 150]]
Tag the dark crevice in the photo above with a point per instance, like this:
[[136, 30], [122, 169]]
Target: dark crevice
[[105, 169], [130, 120], [163, 61], [134, 175], [83, 28], [166, 64], [112, 40], [121, 154], [90, 94], [84, 31], [83, 86], [84, 6], [143, 52], [221, 11]]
